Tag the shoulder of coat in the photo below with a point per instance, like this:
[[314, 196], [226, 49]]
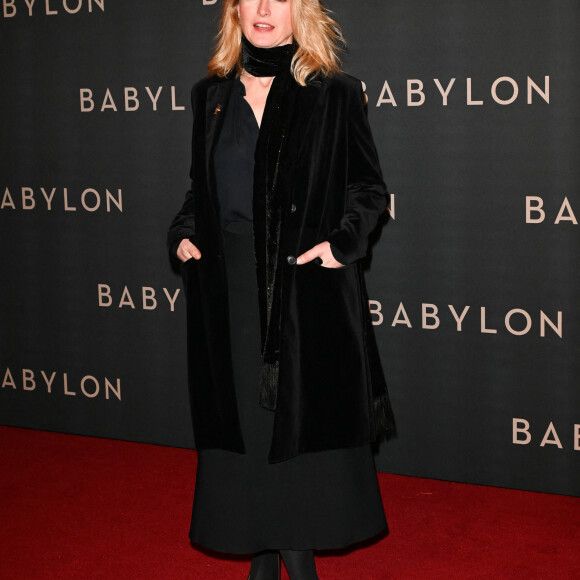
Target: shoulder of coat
[[205, 83], [343, 84]]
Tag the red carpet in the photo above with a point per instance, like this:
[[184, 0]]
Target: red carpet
[[88, 508]]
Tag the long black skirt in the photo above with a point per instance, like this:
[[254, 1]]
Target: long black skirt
[[242, 503]]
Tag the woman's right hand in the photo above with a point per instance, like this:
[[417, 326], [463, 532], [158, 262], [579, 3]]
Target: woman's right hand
[[187, 250]]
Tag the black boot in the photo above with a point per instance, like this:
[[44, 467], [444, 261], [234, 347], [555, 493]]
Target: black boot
[[265, 566], [300, 564]]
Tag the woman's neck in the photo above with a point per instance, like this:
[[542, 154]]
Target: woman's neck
[[257, 89], [248, 79]]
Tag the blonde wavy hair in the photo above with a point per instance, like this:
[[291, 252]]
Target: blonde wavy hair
[[318, 36]]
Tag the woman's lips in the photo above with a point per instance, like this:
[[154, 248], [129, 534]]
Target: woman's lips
[[263, 27]]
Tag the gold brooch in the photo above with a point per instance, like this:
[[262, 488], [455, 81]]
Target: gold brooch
[[217, 109]]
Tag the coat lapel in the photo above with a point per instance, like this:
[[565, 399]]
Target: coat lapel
[[304, 111], [218, 96]]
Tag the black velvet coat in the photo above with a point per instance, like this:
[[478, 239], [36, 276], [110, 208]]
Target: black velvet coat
[[316, 149]]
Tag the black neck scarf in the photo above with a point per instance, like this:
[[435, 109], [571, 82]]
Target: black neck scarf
[[266, 62], [269, 200]]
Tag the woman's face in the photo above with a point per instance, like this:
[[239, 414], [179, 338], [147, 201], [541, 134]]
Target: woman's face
[[266, 23]]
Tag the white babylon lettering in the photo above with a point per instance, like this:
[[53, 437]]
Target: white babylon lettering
[[391, 206], [52, 383], [535, 214], [503, 91], [51, 199], [130, 100], [147, 298], [521, 434], [516, 321], [12, 8]]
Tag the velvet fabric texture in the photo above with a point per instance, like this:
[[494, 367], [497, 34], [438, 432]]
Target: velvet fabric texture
[[316, 158], [266, 62], [270, 205]]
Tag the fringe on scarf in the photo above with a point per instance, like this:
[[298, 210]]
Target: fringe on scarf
[[385, 427], [269, 385]]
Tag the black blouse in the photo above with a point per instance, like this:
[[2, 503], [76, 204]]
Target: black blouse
[[234, 158]]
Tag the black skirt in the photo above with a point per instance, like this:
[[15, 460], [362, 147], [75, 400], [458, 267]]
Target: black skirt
[[242, 503]]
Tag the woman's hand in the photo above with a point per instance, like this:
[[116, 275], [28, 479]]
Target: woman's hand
[[321, 251], [187, 250]]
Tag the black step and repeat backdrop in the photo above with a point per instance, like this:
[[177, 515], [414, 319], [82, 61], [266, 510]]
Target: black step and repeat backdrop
[[474, 282]]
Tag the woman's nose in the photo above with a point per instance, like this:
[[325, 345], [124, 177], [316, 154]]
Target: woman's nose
[[264, 8]]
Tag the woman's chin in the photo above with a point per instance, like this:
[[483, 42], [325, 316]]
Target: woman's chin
[[266, 39], [262, 42]]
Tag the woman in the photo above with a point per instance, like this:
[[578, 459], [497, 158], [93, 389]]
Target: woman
[[286, 385]]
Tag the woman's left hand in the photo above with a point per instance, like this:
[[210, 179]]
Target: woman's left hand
[[321, 251]]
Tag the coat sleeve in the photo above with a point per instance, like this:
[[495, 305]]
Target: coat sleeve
[[366, 192], [183, 224]]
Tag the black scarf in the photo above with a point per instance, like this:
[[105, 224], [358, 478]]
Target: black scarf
[[266, 62], [269, 202]]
